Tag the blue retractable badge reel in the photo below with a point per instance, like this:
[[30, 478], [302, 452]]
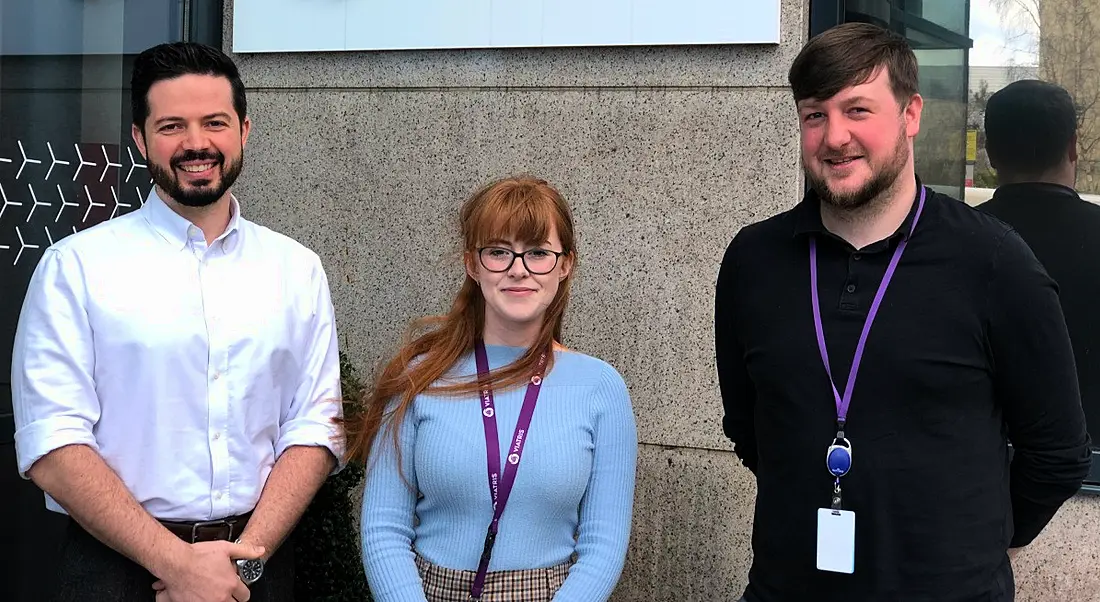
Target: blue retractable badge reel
[[839, 457]]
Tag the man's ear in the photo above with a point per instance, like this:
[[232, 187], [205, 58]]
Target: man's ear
[[246, 127], [913, 114], [139, 140]]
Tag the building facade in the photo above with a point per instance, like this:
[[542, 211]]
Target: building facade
[[664, 153]]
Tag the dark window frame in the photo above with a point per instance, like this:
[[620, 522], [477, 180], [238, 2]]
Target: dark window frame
[[201, 21], [42, 91]]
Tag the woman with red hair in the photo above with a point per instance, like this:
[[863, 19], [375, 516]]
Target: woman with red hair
[[500, 465]]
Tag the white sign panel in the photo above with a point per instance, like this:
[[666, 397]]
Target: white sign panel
[[326, 25]]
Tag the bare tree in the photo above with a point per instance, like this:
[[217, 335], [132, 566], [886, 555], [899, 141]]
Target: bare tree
[[975, 108], [1021, 25], [1061, 35]]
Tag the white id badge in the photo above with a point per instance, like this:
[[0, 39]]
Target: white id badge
[[836, 540]]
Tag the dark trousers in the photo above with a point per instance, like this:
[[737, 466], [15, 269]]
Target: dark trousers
[[90, 571]]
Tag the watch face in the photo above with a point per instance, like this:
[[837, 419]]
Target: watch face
[[250, 570]]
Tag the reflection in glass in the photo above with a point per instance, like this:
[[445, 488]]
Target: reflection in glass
[[952, 15], [1069, 55], [1052, 40], [940, 148]]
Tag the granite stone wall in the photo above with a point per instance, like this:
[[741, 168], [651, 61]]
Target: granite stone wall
[[664, 154]]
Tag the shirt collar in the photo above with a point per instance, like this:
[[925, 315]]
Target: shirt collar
[[1034, 191], [179, 231], [807, 214]]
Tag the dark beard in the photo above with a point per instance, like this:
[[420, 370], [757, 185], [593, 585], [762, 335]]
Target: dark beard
[[203, 194], [872, 190]]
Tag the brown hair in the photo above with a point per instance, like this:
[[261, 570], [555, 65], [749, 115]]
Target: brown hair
[[524, 208], [849, 55]]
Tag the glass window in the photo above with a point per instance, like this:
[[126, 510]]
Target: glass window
[[940, 149], [66, 158], [67, 162], [1054, 41], [952, 15]]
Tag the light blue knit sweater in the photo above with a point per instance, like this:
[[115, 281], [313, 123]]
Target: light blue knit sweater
[[573, 492]]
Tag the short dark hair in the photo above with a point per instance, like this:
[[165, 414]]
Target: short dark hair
[[849, 55], [171, 60], [1029, 126]]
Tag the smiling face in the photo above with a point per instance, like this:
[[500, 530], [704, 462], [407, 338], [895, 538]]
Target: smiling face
[[857, 143], [193, 139], [516, 299]]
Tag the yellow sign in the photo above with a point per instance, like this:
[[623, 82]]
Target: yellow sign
[[971, 145]]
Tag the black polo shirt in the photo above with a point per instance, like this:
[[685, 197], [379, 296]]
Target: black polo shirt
[[969, 350], [1064, 232]]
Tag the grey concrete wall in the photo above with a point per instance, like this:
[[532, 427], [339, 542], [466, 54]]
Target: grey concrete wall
[[664, 154]]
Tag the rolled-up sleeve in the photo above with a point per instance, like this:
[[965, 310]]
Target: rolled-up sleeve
[[53, 391], [310, 419], [1036, 382]]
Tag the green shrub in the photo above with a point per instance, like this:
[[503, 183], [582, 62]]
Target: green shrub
[[986, 178], [328, 560]]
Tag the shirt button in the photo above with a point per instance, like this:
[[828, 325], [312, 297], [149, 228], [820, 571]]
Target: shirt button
[[857, 257], [217, 436], [851, 289], [217, 495], [217, 375]]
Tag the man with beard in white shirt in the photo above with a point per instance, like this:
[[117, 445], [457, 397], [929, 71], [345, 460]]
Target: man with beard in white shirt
[[175, 375]]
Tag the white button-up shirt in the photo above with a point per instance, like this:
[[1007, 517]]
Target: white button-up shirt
[[189, 368]]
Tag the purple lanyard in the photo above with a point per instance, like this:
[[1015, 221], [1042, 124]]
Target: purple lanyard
[[843, 402], [500, 488]]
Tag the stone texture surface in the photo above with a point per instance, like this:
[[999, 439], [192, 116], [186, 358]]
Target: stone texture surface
[[692, 527], [740, 65], [659, 180], [1063, 563]]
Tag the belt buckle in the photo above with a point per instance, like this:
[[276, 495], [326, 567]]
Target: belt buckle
[[210, 523]]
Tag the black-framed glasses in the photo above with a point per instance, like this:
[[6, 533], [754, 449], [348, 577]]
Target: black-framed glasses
[[500, 259]]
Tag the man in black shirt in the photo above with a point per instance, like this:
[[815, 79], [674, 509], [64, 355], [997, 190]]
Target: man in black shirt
[[891, 483], [1031, 139]]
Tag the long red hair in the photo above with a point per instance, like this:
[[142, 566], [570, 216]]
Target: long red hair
[[521, 208]]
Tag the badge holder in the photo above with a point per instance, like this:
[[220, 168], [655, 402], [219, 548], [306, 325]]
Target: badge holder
[[836, 528], [838, 459]]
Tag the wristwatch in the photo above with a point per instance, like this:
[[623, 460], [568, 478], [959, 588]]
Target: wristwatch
[[249, 570]]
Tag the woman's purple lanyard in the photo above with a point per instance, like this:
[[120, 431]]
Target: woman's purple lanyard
[[838, 457], [500, 487]]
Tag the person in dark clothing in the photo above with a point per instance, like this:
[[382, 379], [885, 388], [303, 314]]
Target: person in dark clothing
[[877, 347], [1031, 139]]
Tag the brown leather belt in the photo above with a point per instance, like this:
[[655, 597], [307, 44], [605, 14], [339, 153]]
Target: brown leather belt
[[225, 529]]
